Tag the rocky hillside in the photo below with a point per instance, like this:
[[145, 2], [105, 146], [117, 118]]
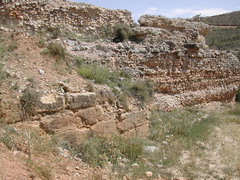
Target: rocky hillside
[[228, 19], [75, 71], [224, 33]]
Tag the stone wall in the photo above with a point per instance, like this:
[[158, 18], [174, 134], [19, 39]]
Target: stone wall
[[173, 54], [76, 116], [80, 17]]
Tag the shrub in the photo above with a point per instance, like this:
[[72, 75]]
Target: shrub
[[57, 50], [7, 139], [122, 32], [41, 43], [238, 96], [141, 89], [94, 72], [43, 170], [54, 31], [79, 61], [3, 74], [28, 101]]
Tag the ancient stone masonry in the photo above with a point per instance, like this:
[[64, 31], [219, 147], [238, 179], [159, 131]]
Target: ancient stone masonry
[[75, 116], [173, 54], [36, 14]]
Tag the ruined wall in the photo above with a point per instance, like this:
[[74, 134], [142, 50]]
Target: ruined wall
[[173, 54], [80, 17]]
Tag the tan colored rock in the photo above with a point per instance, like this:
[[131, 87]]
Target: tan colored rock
[[49, 103], [105, 128], [141, 131], [92, 115], [81, 100], [54, 123], [75, 136]]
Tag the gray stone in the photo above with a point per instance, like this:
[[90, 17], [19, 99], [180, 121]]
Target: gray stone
[[81, 100]]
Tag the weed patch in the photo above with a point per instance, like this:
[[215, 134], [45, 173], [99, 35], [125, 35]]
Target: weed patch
[[98, 151], [43, 170], [56, 50]]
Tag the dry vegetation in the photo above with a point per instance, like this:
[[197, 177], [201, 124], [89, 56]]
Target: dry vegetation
[[182, 143]]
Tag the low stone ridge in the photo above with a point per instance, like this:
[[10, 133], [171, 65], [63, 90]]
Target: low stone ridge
[[38, 14]]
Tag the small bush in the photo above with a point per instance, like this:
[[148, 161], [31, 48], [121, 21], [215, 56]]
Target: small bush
[[3, 74], [43, 170], [142, 90], [57, 50], [79, 61], [94, 72], [54, 31], [7, 139], [28, 101], [41, 43], [122, 32], [238, 96]]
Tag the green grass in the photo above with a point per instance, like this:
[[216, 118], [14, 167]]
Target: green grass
[[98, 151], [183, 124], [97, 73]]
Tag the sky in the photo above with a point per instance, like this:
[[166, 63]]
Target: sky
[[170, 8]]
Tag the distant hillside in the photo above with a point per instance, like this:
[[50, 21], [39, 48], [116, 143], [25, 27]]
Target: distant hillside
[[224, 39], [228, 19]]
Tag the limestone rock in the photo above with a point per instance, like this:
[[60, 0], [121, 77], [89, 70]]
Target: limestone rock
[[50, 103], [74, 136], [92, 115], [105, 128], [54, 123], [81, 100]]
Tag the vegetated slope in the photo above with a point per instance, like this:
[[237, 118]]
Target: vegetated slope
[[225, 34], [224, 38], [228, 19]]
